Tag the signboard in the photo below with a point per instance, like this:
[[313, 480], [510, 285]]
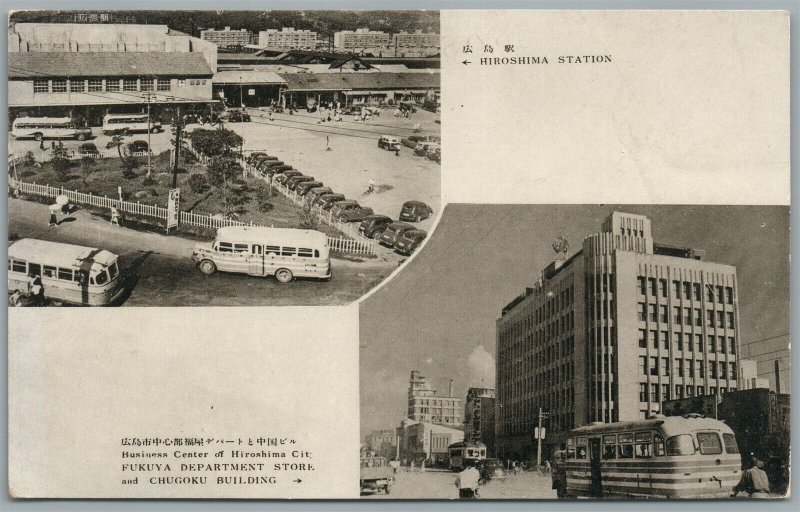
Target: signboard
[[537, 431], [251, 92], [173, 208]]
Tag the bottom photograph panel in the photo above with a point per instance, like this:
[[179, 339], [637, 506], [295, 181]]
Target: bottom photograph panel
[[582, 351]]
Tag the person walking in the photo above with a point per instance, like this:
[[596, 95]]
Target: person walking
[[467, 483], [53, 219], [754, 481], [371, 186], [114, 215], [41, 144]]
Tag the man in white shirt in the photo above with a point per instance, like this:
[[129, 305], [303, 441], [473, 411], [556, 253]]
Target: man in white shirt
[[467, 483]]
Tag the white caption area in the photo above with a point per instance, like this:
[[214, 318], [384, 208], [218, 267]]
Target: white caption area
[[693, 107], [81, 381]]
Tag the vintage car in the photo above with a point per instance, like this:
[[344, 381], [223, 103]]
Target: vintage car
[[413, 140], [409, 241], [422, 148], [282, 177], [389, 143], [490, 469], [292, 182], [415, 211], [315, 192], [376, 475], [88, 149], [234, 115], [326, 201], [435, 154], [373, 225], [304, 187], [350, 211], [393, 232], [138, 146]]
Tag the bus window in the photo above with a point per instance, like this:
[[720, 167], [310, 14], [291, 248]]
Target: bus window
[[241, 248], [580, 452], [19, 266], [288, 251], [305, 253], [643, 447], [316, 253], [49, 271], [35, 269], [709, 443], [682, 444], [730, 443], [625, 450], [256, 249], [658, 443], [610, 447], [113, 270], [225, 247], [65, 273], [101, 277], [274, 249], [570, 452]]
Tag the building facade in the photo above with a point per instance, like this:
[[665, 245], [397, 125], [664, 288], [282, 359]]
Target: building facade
[[382, 443], [479, 417], [227, 38], [611, 333], [424, 441], [287, 38], [416, 44], [425, 405], [362, 40]]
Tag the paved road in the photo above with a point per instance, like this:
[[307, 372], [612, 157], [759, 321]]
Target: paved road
[[441, 485], [167, 276]]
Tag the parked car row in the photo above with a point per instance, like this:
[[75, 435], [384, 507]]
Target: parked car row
[[404, 238]]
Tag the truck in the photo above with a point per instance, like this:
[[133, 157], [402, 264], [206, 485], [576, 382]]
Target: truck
[[376, 475]]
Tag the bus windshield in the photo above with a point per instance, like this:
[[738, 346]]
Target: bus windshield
[[682, 444]]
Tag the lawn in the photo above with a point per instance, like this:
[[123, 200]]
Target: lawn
[[249, 199]]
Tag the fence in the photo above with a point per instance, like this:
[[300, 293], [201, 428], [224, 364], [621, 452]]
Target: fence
[[158, 212], [71, 154]]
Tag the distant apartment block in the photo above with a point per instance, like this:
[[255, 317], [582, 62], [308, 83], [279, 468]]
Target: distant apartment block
[[416, 44], [361, 39], [287, 38], [227, 38]]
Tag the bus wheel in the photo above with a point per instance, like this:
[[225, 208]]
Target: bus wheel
[[38, 136], [284, 275], [207, 267]]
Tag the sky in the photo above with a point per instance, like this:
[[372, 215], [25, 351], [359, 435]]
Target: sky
[[438, 313]]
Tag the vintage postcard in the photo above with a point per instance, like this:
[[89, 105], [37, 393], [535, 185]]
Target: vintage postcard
[[403, 254]]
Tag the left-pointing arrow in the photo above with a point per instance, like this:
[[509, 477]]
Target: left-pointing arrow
[[466, 62]]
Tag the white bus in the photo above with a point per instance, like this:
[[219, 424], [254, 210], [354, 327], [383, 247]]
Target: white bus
[[257, 251], [70, 274], [119, 123], [48, 128]]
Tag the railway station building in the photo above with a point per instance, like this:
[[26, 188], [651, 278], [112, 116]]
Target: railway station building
[[611, 333]]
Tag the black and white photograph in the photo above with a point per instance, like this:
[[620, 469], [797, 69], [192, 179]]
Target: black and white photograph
[[582, 351], [218, 158]]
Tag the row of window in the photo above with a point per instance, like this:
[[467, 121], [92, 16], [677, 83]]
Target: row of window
[[655, 395], [111, 84], [689, 291], [270, 250], [658, 313], [644, 445], [722, 369], [715, 343], [62, 274]]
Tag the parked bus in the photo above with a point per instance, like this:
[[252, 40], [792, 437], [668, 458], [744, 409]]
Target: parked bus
[[682, 457], [48, 128], [70, 274], [258, 251], [465, 454], [120, 123]]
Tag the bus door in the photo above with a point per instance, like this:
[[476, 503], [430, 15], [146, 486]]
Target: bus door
[[594, 467], [255, 261]]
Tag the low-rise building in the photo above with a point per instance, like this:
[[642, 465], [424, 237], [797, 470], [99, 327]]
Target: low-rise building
[[424, 441], [382, 443]]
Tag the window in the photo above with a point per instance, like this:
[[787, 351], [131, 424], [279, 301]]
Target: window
[[678, 392], [241, 248], [77, 86], [641, 308], [710, 293], [687, 316], [642, 338], [41, 86], [95, 84], [678, 337], [720, 320], [690, 367], [643, 446], [664, 314], [687, 291], [723, 369], [729, 294], [658, 445], [700, 391], [713, 368], [730, 320], [679, 367], [654, 393], [19, 266], [610, 447], [731, 346], [698, 318], [65, 273], [720, 296], [682, 444], [652, 282], [729, 440], [101, 278], [625, 449], [147, 84], [59, 86], [305, 253], [676, 289], [288, 251], [709, 443], [653, 313], [665, 340], [50, 271], [710, 316], [712, 343], [129, 85], [664, 366], [701, 369], [689, 391], [225, 247], [697, 294], [654, 338], [653, 366], [699, 339], [112, 85], [163, 84], [662, 286], [665, 392], [642, 363], [676, 315]]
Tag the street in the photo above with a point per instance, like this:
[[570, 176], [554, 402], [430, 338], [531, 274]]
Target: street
[[167, 276], [440, 484]]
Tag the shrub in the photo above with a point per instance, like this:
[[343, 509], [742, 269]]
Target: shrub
[[149, 180], [198, 183], [60, 162], [128, 174], [29, 159], [308, 219]]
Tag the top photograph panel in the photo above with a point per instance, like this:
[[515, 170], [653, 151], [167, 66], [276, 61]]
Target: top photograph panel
[[218, 158]]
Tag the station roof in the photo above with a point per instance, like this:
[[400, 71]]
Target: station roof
[[357, 81], [247, 76], [26, 65]]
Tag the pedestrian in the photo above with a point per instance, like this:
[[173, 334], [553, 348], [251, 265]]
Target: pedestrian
[[14, 299], [371, 186], [396, 151], [270, 115], [114, 216], [52, 144], [60, 144], [754, 481], [37, 291], [467, 483], [41, 144], [327, 143], [53, 219]]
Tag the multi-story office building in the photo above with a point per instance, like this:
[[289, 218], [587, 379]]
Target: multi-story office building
[[361, 39], [287, 38], [425, 405], [612, 332], [382, 443], [479, 417], [227, 38], [416, 44]]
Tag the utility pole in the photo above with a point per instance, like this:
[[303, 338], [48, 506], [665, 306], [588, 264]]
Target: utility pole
[[539, 436], [148, 97], [178, 130]]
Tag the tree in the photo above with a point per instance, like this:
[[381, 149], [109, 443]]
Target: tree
[[221, 171], [87, 165], [118, 141], [218, 142], [60, 162]]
